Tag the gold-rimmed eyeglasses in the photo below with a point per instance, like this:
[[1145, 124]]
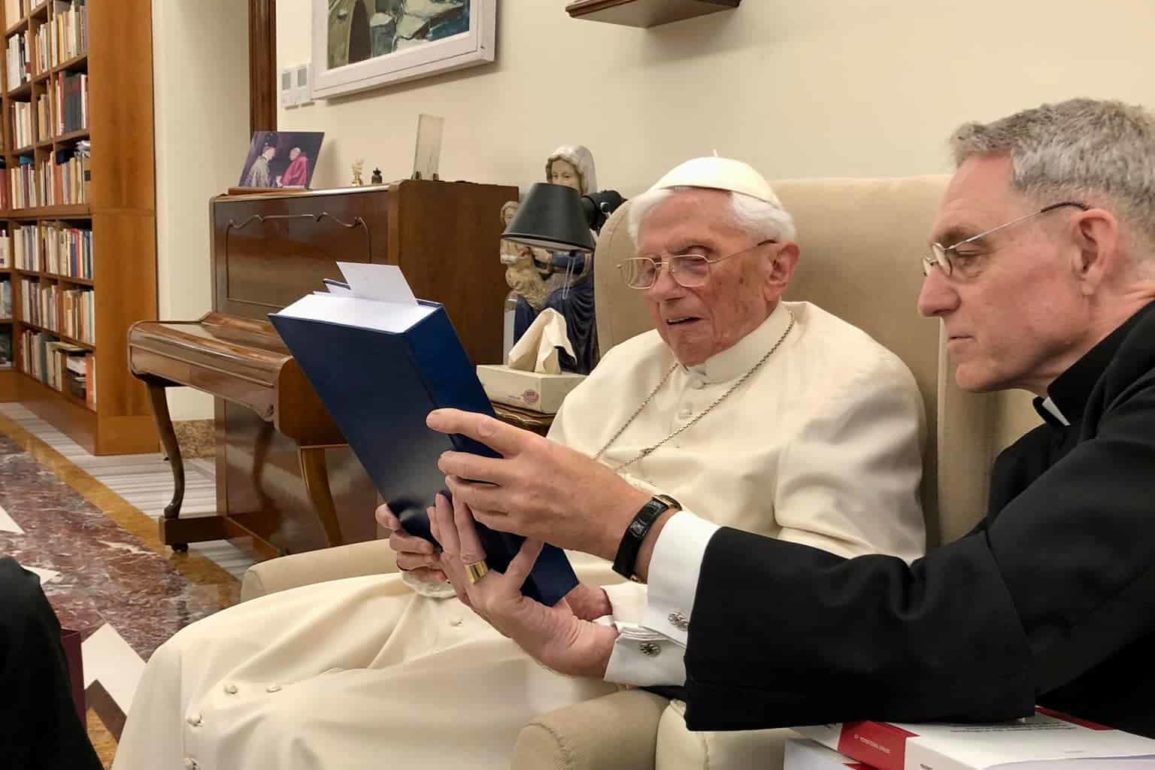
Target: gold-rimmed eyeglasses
[[688, 270], [953, 258]]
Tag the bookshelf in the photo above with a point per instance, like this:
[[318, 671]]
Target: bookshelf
[[78, 214]]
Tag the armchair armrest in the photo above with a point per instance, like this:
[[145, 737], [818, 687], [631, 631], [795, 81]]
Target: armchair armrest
[[373, 557], [614, 732]]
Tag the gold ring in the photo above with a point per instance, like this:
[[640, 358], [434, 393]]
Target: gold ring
[[476, 571]]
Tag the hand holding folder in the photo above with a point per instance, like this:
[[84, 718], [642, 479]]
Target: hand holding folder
[[381, 360]]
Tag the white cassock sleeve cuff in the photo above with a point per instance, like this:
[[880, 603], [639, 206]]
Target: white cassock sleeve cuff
[[652, 652]]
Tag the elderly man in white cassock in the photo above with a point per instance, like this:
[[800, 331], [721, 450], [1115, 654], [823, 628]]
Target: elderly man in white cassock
[[760, 414]]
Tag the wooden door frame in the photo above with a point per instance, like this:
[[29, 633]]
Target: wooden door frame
[[263, 65]]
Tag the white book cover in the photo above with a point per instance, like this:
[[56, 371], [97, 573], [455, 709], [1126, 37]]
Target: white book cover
[[805, 754], [1045, 740]]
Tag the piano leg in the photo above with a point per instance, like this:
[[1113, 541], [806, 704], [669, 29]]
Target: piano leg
[[156, 394], [316, 475]]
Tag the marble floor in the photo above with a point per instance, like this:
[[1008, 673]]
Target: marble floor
[[87, 526]]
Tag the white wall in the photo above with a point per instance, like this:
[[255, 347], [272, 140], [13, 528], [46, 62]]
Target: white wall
[[201, 89], [799, 88]]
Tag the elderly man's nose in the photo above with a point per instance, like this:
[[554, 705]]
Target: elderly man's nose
[[937, 295], [664, 283]]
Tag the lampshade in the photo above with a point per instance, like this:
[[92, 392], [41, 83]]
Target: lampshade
[[551, 217]]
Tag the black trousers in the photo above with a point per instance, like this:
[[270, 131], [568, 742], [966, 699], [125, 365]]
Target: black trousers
[[39, 729]]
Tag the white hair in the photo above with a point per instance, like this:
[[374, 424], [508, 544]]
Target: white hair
[[1083, 149], [760, 219]]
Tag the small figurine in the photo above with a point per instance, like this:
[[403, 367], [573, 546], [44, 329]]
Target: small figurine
[[357, 166], [568, 275], [376, 178], [520, 272]]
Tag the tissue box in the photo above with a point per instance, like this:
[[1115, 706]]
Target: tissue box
[[529, 390]]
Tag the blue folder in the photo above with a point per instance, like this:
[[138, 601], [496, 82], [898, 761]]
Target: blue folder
[[379, 386]]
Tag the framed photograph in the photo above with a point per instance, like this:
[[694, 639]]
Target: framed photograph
[[281, 159], [360, 44]]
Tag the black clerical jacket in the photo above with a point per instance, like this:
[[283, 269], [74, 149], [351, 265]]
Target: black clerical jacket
[[1050, 600]]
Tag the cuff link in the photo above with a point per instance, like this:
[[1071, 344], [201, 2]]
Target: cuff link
[[650, 649], [678, 620], [230, 689]]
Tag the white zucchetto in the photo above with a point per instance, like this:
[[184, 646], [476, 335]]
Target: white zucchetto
[[720, 174]]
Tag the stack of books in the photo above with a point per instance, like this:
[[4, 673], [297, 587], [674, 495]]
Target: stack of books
[[78, 314], [71, 102], [25, 242], [68, 250], [69, 37], [66, 178], [1046, 740], [26, 191]]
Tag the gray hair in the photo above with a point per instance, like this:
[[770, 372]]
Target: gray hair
[[1081, 148], [761, 219]]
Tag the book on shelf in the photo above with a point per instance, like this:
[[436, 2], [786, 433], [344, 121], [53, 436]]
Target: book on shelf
[[17, 52], [14, 11], [5, 299], [5, 248], [410, 361], [6, 348], [1046, 740]]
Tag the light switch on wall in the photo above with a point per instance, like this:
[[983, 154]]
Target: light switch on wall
[[288, 88], [304, 86]]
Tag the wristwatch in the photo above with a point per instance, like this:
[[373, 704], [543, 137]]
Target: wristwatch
[[627, 557]]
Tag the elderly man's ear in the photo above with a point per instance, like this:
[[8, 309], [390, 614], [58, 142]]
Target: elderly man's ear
[[781, 261]]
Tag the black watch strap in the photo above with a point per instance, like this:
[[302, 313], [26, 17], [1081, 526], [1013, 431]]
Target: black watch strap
[[627, 557]]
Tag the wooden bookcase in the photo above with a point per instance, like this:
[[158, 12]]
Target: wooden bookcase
[[119, 209]]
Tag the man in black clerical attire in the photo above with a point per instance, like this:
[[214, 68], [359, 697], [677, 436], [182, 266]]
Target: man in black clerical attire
[[1042, 272], [39, 729]]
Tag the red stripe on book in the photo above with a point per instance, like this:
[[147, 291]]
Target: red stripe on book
[[1073, 720], [879, 744]]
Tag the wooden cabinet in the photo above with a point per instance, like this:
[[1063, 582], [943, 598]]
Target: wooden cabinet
[[79, 207]]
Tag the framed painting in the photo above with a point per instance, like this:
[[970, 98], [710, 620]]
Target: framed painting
[[361, 44]]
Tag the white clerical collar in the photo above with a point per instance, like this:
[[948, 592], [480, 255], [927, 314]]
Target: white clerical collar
[[737, 359], [1053, 408]]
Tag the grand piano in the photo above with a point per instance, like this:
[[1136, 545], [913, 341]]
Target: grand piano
[[285, 480]]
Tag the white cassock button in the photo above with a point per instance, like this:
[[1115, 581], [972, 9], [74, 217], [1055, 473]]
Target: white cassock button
[[678, 620], [650, 649], [697, 383], [684, 414], [194, 720], [456, 622], [190, 763], [274, 687], [230, 689]]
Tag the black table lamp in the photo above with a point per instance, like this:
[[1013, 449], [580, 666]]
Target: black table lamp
[[551, 217]]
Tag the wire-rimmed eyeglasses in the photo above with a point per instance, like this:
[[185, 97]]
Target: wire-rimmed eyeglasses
[[688, 270], [946, 258]]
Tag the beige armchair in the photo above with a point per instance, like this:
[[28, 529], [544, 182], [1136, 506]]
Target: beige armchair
[[861, 242]]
